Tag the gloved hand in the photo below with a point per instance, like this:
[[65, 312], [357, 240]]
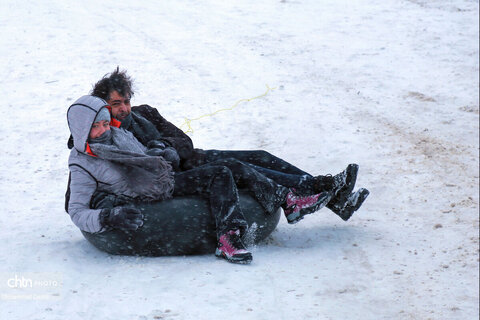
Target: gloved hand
[[155, 152], [169, 154], [124, 218], [156, 144]]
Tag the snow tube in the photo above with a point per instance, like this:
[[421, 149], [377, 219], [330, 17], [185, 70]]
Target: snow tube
[[181, 226]]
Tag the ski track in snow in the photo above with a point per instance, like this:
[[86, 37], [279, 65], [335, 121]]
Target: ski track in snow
[[391, 85]]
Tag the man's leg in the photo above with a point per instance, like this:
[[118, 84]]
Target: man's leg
[[287, 175], [270, 166], [259, 158]]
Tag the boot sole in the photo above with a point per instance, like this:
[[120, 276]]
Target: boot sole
[[353, 177], [245, 258], [348, 211]]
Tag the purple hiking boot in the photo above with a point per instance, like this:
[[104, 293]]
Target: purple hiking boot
[[231, 248], [297, 206]]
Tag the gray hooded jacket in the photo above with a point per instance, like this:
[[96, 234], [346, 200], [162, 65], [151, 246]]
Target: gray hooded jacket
[[90, 173]]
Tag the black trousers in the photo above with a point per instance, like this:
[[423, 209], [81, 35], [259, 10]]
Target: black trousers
[[277, 169], [219, 181]]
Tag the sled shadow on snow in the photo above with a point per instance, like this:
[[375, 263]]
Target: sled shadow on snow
[[316, 236], [327, 238]]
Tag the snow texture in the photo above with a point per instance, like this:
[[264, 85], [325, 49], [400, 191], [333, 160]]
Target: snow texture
[[392, 85]]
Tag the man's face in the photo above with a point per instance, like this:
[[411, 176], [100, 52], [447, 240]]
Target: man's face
[[120, 105]]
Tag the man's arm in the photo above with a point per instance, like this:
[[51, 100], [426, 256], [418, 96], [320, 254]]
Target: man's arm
[[170, 133]]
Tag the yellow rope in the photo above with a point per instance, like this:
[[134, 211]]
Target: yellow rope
[[189, 121]]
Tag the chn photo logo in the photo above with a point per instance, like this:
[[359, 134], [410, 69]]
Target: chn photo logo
[[19, 282], [30, 285]]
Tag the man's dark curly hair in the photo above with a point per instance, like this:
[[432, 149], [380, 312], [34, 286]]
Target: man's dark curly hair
[[116, 81]]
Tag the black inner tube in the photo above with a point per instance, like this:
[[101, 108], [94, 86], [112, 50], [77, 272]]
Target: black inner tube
[[180, 226]]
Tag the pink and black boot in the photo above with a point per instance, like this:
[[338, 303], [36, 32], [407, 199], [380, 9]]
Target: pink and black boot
[[297, 206], [231, 248]]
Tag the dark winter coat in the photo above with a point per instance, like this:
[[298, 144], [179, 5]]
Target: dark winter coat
[[170, 135]]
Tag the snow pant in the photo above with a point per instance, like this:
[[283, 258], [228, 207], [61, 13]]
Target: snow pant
[[266, 191], [278, 170], [215, 183]]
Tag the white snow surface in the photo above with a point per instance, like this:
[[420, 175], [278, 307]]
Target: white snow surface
[[392, 85]]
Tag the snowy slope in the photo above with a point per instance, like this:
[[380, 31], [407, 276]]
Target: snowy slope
[[391, 85]]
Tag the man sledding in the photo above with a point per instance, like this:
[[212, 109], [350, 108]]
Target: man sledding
[[165, 139], [163, 163]]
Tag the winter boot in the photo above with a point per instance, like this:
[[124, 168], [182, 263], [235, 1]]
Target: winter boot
[[231, 248], [338, 182], [352, 204], [297, 206], [343, 184]]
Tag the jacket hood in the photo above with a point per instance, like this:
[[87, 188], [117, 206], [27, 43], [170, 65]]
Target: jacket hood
[[80, 117]]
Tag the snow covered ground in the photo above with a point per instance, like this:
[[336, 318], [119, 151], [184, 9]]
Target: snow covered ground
[[391, 85]]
